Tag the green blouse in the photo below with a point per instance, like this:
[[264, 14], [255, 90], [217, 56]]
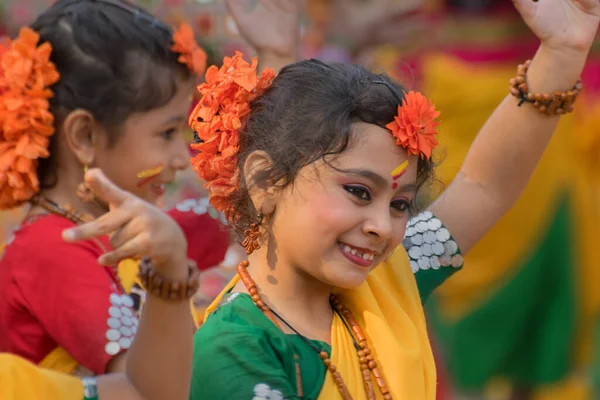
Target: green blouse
[[240, 354]]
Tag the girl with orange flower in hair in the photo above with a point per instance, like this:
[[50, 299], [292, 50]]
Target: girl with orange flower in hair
[[159, 363], [102, 84], [318, 170]]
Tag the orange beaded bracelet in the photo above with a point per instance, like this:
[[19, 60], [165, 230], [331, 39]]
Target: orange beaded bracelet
[[165, 289], [551, 104]]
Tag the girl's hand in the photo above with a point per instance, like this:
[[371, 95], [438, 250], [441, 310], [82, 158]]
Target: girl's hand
[[563, 25], [136, 228]]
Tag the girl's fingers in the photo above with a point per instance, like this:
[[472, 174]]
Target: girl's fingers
[[134, 248], [120, 236], [104, 189], [105, 225]]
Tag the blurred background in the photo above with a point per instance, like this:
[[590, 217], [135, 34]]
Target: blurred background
[[520, 321]]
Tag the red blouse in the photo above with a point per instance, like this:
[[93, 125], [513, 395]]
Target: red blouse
[[55, 294]]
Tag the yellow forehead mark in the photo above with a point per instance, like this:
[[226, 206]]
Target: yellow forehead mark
[[397, 173], [399, 170], [147, 173]]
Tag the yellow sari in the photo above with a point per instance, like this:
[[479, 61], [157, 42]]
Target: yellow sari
[[19, 379]]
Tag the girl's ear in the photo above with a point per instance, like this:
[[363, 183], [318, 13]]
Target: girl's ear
[[263, 194], [81, 132]]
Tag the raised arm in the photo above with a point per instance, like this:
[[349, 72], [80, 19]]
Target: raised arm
[[510, 144], [159, 362]]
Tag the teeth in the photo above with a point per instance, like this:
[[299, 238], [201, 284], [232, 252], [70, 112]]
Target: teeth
[[364, 256]]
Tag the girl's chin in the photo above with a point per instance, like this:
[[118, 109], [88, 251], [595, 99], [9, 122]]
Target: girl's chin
[[349, 280]]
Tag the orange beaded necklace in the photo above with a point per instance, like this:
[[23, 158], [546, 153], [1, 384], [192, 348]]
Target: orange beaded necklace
[[368, 365]]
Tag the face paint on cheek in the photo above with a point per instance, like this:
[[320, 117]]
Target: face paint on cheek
[[398, 172], [148, 175]]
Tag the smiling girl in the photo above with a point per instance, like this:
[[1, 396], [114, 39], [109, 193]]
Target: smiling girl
[[319, 171], [115, 85], [163, 346]]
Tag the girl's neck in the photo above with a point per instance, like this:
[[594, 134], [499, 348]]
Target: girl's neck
[[294, 295], [64, 196]]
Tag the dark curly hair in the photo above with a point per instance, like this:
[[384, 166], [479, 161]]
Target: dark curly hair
[[114, 60], [305, 116]]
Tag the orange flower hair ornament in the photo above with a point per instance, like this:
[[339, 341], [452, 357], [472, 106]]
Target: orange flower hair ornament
[[218, 118], [414, 126], [190, 54], [184, 43], [26, 124]]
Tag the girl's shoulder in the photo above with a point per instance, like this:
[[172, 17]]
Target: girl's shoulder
[[235, 315], [240, 354], [40, 240]]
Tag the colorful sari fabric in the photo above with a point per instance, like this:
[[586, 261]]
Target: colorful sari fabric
[[243, 355], [532, 305], [54, 294], [524, 310], [61, 310], [525, 307], [22, 380]]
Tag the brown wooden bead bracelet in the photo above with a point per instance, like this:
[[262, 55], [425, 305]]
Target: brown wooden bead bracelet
[[551, 104], [158, 286]]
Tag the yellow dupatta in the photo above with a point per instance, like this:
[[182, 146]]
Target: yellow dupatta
[[60, 361], [388, 308], [19, 379]]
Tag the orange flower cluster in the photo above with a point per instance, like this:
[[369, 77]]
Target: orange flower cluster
[[190, 54], [218, 118], [26, 123], [414, 126]]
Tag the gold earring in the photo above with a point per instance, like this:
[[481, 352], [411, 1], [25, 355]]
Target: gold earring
[[84, 193]]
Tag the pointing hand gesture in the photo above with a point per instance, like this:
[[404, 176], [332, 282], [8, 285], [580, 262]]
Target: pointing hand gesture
[[136, 229]]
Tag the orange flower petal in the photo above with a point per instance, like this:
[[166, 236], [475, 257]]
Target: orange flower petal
[[414, 126], [190, 54], [25, 120], [217, 119], [7, 159]]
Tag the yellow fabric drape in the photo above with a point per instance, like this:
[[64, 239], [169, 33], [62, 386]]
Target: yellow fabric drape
[[60, 361], [585, 181], [21, 380], [466, 97], [570, 165], [388, 308]]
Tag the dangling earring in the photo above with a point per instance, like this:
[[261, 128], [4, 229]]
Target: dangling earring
[[252, 236], [84, 192]]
